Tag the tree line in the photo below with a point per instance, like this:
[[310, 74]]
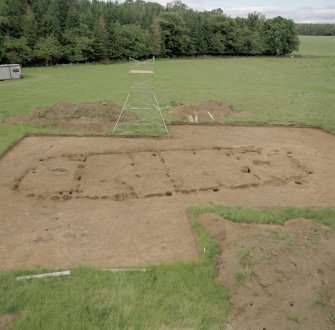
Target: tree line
[[44, 32], [316, 29]]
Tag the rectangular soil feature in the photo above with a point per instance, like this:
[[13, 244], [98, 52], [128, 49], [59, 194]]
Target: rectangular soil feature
[[109, 202]]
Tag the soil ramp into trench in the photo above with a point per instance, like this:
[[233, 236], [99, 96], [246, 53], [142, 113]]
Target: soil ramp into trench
[[280, 277]]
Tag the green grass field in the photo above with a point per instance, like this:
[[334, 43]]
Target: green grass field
[[317, 46], [276, 90]]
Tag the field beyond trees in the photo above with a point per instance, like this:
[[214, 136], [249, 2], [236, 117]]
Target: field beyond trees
[[317, 46]]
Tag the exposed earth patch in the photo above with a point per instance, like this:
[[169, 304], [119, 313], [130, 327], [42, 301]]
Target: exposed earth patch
[[7, 319]]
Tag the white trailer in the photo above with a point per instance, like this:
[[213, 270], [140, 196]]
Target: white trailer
[[10, 71]]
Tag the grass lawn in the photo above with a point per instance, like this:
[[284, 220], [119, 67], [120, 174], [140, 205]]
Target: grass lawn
[[276, 90], [183, 295]]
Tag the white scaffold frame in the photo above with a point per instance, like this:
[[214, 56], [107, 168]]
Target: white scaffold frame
[[141, 98]]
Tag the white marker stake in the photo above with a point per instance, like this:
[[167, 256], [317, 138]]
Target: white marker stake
[[68, 272], [190, 118], [210, 115], [56, 274]]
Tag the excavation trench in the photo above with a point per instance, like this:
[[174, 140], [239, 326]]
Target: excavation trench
[[111, 202]]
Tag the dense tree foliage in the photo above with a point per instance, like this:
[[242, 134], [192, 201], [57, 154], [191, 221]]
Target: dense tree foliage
[[279, 36], [316, 29], [62, 31]]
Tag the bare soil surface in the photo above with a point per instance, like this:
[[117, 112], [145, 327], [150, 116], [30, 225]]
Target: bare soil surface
[[206, 112], [7, 319], [83, 117], [113, 202], [280, 277]]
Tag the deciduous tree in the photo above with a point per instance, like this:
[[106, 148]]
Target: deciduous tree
[[280, 36], [130, 40], [175, 35]]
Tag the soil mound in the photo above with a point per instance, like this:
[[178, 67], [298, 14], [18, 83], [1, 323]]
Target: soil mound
[[205, 112], [280, 277], [88, 116]]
